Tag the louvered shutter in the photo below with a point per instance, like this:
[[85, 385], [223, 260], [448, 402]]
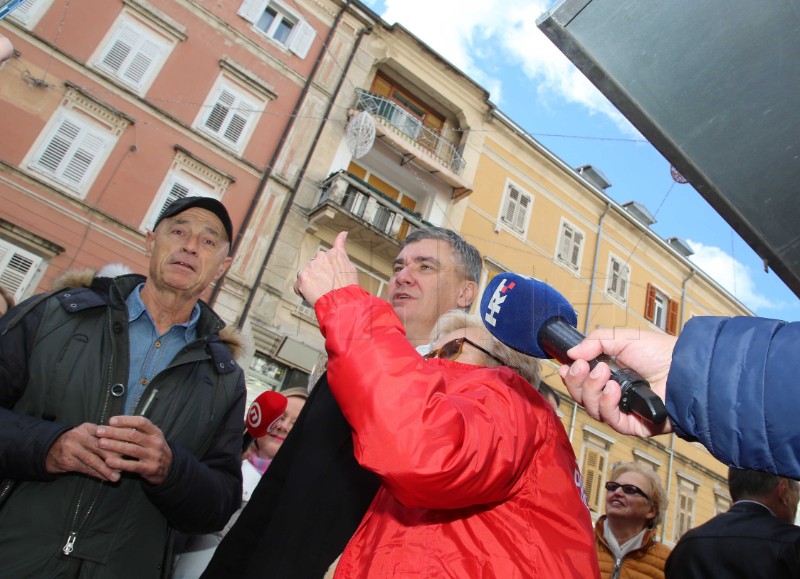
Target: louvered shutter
[[301, 38], [17, 268], [650, 303], [522, 212], [251, 10]]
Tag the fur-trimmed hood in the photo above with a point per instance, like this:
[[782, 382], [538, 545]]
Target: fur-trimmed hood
[[74, 278]]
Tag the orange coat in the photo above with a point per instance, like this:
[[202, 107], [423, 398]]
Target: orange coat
[[646, 562]]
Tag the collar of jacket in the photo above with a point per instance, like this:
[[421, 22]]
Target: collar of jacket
[[649, 536], [112, 292]]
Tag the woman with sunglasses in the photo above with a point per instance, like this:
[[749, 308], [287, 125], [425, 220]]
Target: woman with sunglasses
[[478, 478], [625, 536]]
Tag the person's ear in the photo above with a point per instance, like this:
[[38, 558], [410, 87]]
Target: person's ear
[[467, 294]]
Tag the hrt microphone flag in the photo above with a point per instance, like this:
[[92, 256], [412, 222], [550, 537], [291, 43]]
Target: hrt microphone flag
[[515, 306]]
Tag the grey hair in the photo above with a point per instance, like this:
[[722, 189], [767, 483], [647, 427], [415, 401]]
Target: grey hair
[[526, 366], [465, 254], [657, 494]]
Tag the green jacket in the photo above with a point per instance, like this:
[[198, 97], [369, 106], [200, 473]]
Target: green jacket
[[60, 359]]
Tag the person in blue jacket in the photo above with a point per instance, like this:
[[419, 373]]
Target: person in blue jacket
[[728, 383]]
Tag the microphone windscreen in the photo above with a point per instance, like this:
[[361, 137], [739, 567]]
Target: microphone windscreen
[[264, 412], [514, 307]]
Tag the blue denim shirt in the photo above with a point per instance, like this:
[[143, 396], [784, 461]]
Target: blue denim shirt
[[151, 353]]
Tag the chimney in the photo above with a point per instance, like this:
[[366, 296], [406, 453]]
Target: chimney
[[594, 176], [640, 212]]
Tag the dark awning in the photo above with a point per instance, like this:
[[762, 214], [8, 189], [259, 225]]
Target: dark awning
[[714, 85]]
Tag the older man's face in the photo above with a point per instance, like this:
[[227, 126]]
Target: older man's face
[[426, 283], [188, 252]]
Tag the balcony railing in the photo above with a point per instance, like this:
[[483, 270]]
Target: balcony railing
[[411, 128], [369, 206]]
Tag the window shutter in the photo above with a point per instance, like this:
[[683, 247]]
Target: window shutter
[[650, 303], [511, 206], [251, 10], [613, 278], [142, 61], [577, 239], [220, 111], [23, 13], [672, 317], [238, 122], [17, 268], [593, 466], [71, 152], [623, 283], [522, 212], [120, 49], [76, 168], [58, 147], [301, 39], [566, 242]]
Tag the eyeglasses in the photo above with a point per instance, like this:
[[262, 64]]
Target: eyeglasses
[[452, 350], [611, 486]]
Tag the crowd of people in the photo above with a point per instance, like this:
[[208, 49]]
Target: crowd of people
[[422, 451]]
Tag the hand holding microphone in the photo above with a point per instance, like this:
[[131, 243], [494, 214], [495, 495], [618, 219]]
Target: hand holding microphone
[[533, 318]]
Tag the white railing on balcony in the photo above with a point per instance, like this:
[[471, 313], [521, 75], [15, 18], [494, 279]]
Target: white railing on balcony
[[408, 126], [369, 206]]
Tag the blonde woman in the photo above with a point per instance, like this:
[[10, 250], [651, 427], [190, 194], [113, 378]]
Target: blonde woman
[[625, 537]]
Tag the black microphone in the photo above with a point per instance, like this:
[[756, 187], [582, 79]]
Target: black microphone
[[531, 317]]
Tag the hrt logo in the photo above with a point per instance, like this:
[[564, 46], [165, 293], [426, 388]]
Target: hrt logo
[[254, 416], [498, 297]]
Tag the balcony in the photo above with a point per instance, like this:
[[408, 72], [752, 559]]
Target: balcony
[[372, 218], [415, 141]]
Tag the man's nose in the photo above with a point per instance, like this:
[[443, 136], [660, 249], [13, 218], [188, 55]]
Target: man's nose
[[403, 276], [191, 243]]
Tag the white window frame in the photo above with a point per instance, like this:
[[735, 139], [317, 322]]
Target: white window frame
[[660, 310], [516, 208], [619, 279], [236, 103], [18, 269], [147, 52], [71, 150], [30, 12], [570, 236], [301, 36]]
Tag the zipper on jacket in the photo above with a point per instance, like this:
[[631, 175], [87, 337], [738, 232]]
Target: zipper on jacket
[[76, 526], [617, 567]]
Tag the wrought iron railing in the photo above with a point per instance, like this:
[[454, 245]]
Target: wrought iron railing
[[404, 124], [368, 205]]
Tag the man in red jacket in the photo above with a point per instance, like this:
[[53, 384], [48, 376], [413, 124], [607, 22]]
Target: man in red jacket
[[478, 476]]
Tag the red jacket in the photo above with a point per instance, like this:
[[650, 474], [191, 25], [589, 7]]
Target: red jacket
[[479, 478]]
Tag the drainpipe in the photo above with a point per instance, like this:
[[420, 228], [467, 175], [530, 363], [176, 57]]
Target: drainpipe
[[594, 268], [293, 193], [262, 185], [683, 296], [669, 484]]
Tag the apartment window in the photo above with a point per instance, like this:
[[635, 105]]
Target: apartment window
[[619, 276], [722, 503], [133, 53], [188, 177], [684, 512], [661, 311], [73, 150], [570, 245], [279, 24], [593, 472], [594, 458], [516, 209], [30, 12], [230, 114], [17, 269]]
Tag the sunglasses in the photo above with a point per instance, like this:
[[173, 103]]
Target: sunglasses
[[452, 350], [611, 486]]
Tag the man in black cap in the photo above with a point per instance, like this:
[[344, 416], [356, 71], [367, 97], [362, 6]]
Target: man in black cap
[[121, 411]]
